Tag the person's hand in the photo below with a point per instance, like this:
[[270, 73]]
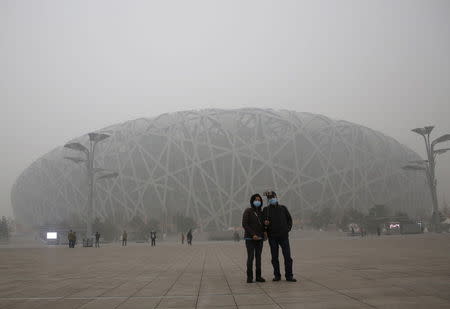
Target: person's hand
[[256, 237], [266, 222]]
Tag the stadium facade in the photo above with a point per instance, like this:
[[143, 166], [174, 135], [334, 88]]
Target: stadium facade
[[205, 164]]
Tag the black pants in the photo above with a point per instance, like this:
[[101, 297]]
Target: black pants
[[283, 242], [254, 250], [97, 243], [153, 242], [124, 242]]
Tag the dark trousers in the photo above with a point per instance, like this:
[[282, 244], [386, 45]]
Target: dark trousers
[[97, 243], [124, 242], [153, 242], [254, 250], [283, 242]]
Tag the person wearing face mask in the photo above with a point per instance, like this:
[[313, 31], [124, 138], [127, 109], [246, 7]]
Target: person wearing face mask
[[278, 222], [252, 222]]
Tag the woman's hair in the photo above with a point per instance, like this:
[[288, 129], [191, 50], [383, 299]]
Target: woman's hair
[[254, 196]]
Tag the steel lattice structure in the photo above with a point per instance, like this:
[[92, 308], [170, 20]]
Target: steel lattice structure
[[207, 163]]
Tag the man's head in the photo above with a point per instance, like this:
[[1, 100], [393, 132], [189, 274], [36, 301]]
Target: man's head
[[271, 198]]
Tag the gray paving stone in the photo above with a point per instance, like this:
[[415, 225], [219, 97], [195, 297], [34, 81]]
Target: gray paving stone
[[385, 272]]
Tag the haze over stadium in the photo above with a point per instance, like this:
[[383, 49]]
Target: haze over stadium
[[69, 68], [224, 154]]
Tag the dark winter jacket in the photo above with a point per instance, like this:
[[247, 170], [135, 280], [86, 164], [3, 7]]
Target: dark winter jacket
[[252, 219], [253, 222], [280, 220]]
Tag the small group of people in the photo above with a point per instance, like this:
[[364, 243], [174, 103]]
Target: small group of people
[[272, 223], [188, 237], [72, 237]]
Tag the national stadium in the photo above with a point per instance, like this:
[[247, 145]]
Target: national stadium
[[206, 164]]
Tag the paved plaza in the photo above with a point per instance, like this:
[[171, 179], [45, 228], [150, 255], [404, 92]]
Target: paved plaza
[[334, 272]]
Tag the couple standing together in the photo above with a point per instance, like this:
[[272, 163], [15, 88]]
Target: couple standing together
[[274, 222]]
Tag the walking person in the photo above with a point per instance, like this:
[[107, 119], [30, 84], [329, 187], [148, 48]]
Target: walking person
[[253, 224], [70, 239], [189, 237], [278, 223], [153, 238], [97, 240], [124, 238]]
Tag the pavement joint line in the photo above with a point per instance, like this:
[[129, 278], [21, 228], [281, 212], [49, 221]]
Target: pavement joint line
[[100, 297], [170, 265], [337, 291], [414, 291], [315, 282], [117, 297], [201, 278], [226, 279], [118, 277], [259, 285], [179, 276]]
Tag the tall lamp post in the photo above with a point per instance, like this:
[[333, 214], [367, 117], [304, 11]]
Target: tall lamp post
[[92, 171], [429, 167]]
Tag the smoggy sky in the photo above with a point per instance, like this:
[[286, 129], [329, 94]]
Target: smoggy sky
[[70, 67]]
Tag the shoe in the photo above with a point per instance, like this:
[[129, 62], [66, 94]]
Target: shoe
[[291, 279], [249, 280], [260, 279], [276, 279]]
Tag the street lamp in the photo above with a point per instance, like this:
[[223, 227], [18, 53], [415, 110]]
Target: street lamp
[[429, 166], [88, 159]]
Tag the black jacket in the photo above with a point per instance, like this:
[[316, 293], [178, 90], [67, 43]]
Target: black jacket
[[280, 220], [253, 222]]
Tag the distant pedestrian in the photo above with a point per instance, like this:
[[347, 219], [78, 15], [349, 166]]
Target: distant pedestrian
[[353, 231], [70, 239], [97, 240], [189, 237], [153, 238], [378, 231], [182, 238], [124, 238]]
